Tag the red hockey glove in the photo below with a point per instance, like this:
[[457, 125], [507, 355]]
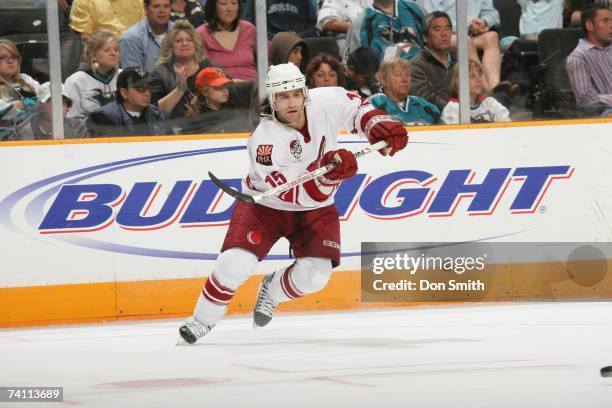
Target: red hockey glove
[[324, 186], [380, 126], [346, 164]]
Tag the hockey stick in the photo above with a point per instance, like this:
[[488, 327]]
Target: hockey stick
[[254, 199]]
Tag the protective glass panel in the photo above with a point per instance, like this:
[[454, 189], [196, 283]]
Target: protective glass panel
[[24, 68]]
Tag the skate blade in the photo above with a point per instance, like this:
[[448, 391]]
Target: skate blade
[[181, 342]]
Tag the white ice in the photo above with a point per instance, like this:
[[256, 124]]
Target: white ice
[[508, 355]]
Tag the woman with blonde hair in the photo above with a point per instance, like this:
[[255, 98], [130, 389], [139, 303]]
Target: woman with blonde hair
[[95, 83], [483, 108], [181, 58], [17, 90], [395, 78]]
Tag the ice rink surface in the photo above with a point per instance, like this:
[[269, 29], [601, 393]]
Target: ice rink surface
[[508, 355]]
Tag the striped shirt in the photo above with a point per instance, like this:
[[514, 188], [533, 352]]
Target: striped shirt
[[590, 73]]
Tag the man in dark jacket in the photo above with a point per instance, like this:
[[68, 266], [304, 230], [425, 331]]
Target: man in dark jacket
[[431, 67], [131, 113]]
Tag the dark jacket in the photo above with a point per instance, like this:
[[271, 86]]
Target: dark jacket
[[193, 12], [365, 91], [431, 79], [232, 118], [113, 120], [286, 15], [227, 120]]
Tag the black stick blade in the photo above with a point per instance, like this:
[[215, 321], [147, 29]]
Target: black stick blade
[[230, 191]]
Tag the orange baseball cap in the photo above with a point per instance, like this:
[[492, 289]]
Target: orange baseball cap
[[211, 77]]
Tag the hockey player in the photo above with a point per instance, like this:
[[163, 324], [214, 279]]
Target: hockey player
[[299, 133]]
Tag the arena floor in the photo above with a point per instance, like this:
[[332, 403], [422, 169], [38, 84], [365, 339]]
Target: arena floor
[[509, 355]]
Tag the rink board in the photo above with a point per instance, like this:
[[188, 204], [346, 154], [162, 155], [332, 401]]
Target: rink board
[[114, 228]]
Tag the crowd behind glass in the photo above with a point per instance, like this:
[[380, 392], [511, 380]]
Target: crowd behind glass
[[169, 67]]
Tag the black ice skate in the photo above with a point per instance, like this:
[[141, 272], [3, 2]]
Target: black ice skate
[[192, 330], [264, 306]]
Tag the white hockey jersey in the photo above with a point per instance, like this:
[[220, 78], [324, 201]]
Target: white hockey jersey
[[488, 110], [279, 153], [88, 93]]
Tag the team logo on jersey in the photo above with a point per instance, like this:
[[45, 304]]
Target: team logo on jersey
[[254, 237], [264, 155], [296, 148]]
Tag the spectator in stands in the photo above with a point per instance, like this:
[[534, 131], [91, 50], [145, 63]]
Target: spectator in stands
[[483, 109], [392, 28], [538, 15], [181, 58], [324, 70], [482, 17], [361, 67], [131, 113], [394, 78], [589, 66], [95, 83], [572, 15], [140, 44], [336, 16], [213, 92], [215, 107], [572, 11], [287, 15], [432, 65], [288, 47], [39, 126], [17, 90], [89, 16], [187, 10], [230, 42]]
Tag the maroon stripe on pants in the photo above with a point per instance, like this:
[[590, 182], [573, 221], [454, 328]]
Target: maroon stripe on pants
[[213, 300], [217, 293], [221, 287], [288, 286]]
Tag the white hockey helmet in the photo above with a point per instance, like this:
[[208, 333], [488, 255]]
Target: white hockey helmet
[[284, 77]]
